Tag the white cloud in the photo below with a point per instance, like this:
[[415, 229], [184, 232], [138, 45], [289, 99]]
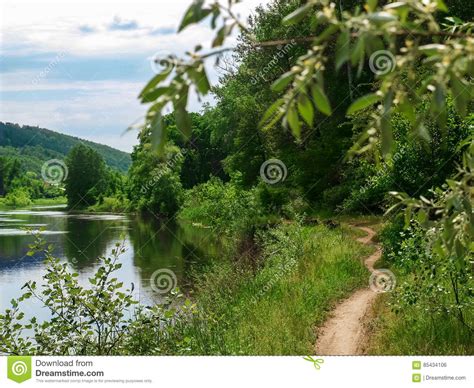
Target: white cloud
[[55, 25], [99, 110]]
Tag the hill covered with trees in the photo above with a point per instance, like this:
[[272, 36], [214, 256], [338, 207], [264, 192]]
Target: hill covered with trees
[[34, 145]]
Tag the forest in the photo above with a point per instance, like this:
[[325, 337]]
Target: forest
[[310, 140]]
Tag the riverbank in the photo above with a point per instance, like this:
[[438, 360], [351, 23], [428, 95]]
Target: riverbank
[[35, 202], [270, 304]]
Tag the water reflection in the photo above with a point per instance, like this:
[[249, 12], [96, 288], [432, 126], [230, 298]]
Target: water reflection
[[80, 239]]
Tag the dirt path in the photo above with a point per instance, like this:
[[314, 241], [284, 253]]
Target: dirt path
[[344, 332]]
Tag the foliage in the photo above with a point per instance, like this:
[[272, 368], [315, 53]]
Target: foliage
[[18, 198], [154, 180], [415, 168], [10, 168], [226, 207], [407, 32], [443, 279], [87, 177], [111, 204], [102, 319]]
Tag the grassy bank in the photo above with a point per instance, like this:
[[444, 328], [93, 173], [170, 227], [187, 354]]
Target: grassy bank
[[413, 331], [271, 305], [4, 204], [420, 316]]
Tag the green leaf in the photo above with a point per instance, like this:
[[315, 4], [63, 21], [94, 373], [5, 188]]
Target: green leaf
[[387, 135], [282, 82], [273, 111], [432, 49], [153, 94], [406, 108], [159, 133], [298, 14], [358, 51], [320, 100], [294, 121], [381, 17], [328, 32], [363, 102], [441, 5], [342, 49], [183, 120], [461, 95], [372, 4], [154, 81], [194, 14], [220, 36], [305, 107], [199, 77]]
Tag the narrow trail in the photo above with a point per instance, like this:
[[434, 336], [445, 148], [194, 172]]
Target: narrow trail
[[344, 332]]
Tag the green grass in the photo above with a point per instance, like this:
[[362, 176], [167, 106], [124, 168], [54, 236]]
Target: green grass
[[50, 201], [111, 205], [37, 202], [413, 331], [274, 309]]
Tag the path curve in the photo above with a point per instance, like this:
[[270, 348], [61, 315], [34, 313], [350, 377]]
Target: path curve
[[344, 332]]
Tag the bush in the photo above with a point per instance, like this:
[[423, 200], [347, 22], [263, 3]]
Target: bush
[[391, 237], [281, 200], [371, 193], [18, 198], [226, 207], [102, 319], [154, 181], [111, 204]]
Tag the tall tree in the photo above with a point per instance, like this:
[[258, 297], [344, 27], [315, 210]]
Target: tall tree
[[86, 176]]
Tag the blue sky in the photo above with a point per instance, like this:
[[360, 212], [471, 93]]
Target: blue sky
[[77, 66]]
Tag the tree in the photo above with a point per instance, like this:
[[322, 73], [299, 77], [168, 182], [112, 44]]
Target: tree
[[10, 169], [86, 177], [154, 180]]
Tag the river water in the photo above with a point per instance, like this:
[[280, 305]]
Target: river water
[[81, 239]]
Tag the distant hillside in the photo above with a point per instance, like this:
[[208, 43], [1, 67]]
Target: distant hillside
[[35, 145]]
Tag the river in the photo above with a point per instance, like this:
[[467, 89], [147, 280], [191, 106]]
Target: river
[[81, 239]]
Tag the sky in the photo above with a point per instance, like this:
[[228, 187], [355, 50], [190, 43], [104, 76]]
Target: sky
[[77, 66]]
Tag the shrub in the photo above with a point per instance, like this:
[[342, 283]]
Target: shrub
[[112, 204], [102, 319], [281, 200], [18, 198], [226, 207], [154, 181]]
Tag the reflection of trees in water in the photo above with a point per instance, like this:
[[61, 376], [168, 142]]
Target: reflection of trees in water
[[15, 246], [166, 245], [87, 240]]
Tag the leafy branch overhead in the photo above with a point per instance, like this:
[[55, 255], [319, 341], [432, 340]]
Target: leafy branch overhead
[[394, 40]]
